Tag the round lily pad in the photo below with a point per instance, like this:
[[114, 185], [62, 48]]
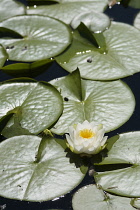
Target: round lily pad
[[120, 59], [95, 21], [35, 107], [42, 37], [137, 21], [10, 8], [66, 10], [92, 198], [110, 103], [3, 56], [125, 150], [25, 178]]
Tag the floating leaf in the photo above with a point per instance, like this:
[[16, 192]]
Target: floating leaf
[[125, 181], [36, 106], [9, 8], [4, 120], [120, 60], [95, 21], [136, 203], [137, 21], [3, 56], [134, 3], [27, 69], [109, 103], [23, 178], [43, 37], [96, 39], [66, 10], [92, 198]]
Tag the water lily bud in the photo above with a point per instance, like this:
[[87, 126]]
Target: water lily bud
[[86, 138]]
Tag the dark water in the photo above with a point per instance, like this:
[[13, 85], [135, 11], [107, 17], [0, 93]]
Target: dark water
[[117, 13]]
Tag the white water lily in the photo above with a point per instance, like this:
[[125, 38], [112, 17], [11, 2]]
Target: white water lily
[[86, 138]]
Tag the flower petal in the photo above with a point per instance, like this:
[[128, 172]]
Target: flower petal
[[87, 138], [69, 140], [104, 140]]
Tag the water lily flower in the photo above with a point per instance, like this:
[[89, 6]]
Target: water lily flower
[[86, 138]]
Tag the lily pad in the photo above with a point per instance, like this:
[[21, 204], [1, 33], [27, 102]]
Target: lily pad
[[96, 39], [136, 203], [66, 10], [43, 37], [137, 21], [36, 106], [92, 198], [121, 58], [134, 3], [10, 8], [124, 181], [110, 103], [95, 21], [24, 178], [3, 56], [27, 69]]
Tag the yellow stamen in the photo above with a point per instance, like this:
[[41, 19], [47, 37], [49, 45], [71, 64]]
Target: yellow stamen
[[86, 133]]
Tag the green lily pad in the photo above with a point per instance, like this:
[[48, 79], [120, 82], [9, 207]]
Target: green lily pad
[[121, 58], [3, 56], [27, 69], [10, 8], [134, 3], [23, 178], [36, 106], [137, 21], [95, 21], [43, 37], [96, 39], [124, 181], [136, 203], [92, 198], [66, 10], [110, 103]]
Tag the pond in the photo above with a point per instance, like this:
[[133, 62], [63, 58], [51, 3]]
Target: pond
[[126, 118]]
